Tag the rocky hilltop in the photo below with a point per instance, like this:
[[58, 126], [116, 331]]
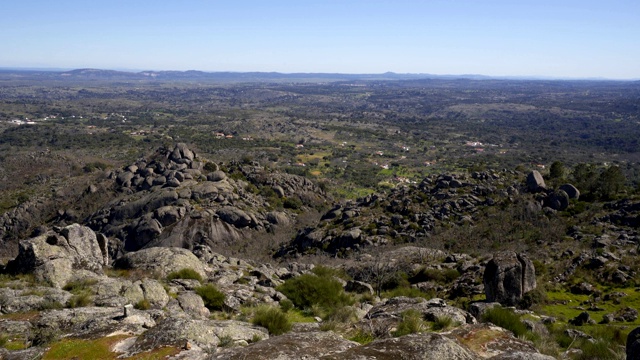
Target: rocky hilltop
[[485, 265]]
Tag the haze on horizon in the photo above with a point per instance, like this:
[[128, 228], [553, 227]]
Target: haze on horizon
[[546, 38]]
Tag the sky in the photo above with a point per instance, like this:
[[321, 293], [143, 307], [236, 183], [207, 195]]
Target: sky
[[549, 38]]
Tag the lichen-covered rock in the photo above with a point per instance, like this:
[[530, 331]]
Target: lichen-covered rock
[[427, 346], [507, 277], [53, 256], [490, 341], [290, 346], [430, 309], [161, 261]]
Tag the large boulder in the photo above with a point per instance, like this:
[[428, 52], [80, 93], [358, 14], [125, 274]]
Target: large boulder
[[558, 200], [507, 277], [234, 216], [535, 181], [54, 255], [571, 191], [161, 261], [633, 344]]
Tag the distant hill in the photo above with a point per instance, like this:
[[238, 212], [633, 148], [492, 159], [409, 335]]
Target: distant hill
[[201, 76]]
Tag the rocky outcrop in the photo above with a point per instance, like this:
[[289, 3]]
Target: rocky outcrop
[[428, 346], [306, 345], [53, 256], [166, 200], [488, 341], [430, 310], [161, 261], [507, 277]]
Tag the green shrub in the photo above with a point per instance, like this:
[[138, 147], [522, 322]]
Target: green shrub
[[273, 319], [534, 297], [186, 273], [444, 276], [411, 323], [212, 297], [507, 319], [286, 305], [598, 350], [292, 203], [362, 337], [309, 289]]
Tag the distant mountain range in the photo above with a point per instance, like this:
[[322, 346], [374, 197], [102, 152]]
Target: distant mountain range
[[202, 76]]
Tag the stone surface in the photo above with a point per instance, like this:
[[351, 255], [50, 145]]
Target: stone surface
[[161, 261], [535, 181], [507, 277], [290, 346], [427, 346], [53, 256]]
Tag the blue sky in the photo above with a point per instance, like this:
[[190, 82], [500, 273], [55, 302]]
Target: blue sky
[[557, 38]]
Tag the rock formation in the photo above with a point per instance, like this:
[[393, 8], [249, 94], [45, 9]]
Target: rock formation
[[507, 277]]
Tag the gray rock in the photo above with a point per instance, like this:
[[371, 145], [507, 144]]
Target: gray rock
[[571, 191], [161, 261], [507, 277], [535, 181], [217, 175], [192, 304], [427, 346], [53, 255], [234, 216], [290, 346], [558, 200], [168, 215], [277, 218], [359, 287]]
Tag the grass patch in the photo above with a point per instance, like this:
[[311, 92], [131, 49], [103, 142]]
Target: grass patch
[[411, 323], [507, 319], [362, 337], [272, 318], [186, 273], [408, 292], [81, 349]]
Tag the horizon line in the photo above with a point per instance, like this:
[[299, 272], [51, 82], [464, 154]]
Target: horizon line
[[465, 75]]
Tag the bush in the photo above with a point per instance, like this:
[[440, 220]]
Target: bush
[[186, 273], [507, 319], [533, 297], [310, 289], [411, 323], [362, 337], [292, 203], [286, 305], [212, 297], [272, 318]]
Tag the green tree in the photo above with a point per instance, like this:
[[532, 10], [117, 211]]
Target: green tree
[[557, 170], [610, 182]]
